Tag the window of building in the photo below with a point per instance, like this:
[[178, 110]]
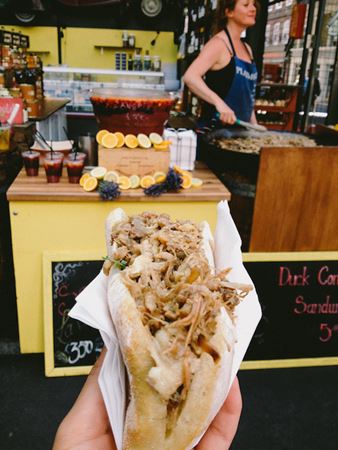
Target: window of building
[[288, 2], [285, 32], [268, 35], [279, 5], [276, 33], [270, 8]]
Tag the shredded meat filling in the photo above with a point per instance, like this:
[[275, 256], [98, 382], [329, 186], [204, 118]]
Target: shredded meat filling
[[176, 290]]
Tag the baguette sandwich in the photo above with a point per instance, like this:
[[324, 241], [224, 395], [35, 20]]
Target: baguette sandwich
[[174, 318]]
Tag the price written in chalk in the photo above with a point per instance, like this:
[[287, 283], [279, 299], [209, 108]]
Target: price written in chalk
[[327, 331]]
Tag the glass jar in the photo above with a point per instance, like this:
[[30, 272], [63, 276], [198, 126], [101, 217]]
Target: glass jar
[[131, 40], [156, 64]]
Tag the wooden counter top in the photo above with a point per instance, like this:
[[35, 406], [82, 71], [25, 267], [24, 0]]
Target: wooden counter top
[[49, 107], [26, 188]]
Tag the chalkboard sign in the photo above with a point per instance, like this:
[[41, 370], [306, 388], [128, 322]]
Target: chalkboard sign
[[71, 347], [298, 295]]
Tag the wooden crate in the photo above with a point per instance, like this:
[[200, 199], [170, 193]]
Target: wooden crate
[[137, 161]]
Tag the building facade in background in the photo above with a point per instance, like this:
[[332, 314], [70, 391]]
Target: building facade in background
[[277, 38]]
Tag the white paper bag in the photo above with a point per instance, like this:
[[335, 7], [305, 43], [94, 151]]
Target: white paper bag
[[182, 148]]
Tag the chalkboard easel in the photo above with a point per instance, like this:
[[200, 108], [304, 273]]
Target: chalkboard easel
[[71, 347]]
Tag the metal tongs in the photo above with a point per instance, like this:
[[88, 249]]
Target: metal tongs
[[250, 126], [247, 125]]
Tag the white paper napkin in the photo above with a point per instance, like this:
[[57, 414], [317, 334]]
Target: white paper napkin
[[92, 308]]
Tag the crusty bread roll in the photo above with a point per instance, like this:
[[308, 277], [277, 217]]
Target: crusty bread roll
[[175, 366]]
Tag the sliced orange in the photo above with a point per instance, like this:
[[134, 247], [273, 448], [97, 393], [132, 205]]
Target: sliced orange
[[120, 139], [124, 182], [178, 169], [99, 135], [131, 141], [155, 138], [84, 178], [159, 177], [109, 140], [90, 184], [187, 180], [162, 146], [196, 182], [147, 181]]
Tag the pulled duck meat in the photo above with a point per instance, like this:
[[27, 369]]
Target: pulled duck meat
[[175, 289]]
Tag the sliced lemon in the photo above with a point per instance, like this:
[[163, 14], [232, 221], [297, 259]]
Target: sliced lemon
[[109, 140], [162, 146], [120, 139], [90, 184], [98, 172], [147, 181], [84, 178], [159, 177], [143, 140], [124, 182], [111, 175], [196, 182], [99, 135], [155, 138], [134, 181], [187, 180], [131, 141]]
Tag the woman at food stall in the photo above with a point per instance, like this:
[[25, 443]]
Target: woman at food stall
[[224, 74]]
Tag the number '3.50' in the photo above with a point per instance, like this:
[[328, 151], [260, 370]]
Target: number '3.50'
[[78, 350]]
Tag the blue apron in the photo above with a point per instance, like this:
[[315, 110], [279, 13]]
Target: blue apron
[[241, 95]]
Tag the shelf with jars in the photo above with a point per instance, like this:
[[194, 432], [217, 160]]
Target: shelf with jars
[[275, 105], [21, 72], [76, 83]]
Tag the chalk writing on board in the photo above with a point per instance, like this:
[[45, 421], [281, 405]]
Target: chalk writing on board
[[300, 309], [74, 342]]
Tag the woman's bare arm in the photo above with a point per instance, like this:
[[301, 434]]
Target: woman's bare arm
[[193, 78]]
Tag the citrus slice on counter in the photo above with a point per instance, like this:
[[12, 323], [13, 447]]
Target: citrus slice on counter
[[109, 140], [124, 182], [164, 145], [187, 181], [90, 184], [196, 182], [98, 172], [143, 140], [155, 138], [134, 181], [159, 177], [99, 135], [120, 139], [84, 178], [111, 175], [131, 141], [147, 181], [178, 169]]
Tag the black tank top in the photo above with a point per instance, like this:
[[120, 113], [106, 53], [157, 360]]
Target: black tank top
[[220, 80]]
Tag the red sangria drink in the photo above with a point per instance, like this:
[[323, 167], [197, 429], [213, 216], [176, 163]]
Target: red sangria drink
[[134, 112], [75, 163], [31, 162], [53, 166]]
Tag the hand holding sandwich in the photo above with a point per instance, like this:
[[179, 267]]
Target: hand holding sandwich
[[86, 426]]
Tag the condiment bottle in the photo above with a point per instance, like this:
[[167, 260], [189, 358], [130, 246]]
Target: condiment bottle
[[147, 61]]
